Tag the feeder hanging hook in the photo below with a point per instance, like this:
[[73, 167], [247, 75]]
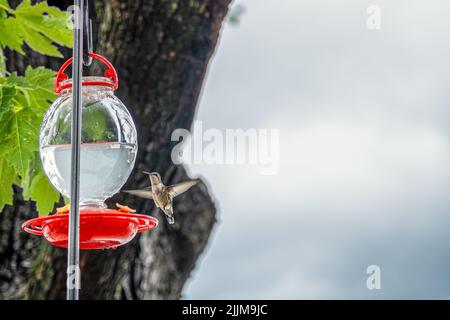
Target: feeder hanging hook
[[87, 36]]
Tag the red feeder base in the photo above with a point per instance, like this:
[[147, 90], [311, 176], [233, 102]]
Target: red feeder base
[[99, 228]]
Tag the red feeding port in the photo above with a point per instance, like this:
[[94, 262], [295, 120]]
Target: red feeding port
[[99, 228]]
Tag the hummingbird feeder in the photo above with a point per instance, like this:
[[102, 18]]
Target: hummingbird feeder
[[87, 160], [107, 154]]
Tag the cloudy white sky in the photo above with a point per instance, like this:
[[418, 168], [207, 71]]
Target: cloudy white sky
[[364, 152]]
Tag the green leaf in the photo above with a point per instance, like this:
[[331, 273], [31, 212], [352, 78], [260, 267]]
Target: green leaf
[[43, 193], [24, 99], [23, 102], [6, 95], [35, 89], [39, 26], [8, 178], [48, 20], [41, 80], [4, 5], [10, 38], [2, 63], [19, 137]]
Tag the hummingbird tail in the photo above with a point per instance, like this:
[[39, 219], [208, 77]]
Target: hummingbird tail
[[170, 220]]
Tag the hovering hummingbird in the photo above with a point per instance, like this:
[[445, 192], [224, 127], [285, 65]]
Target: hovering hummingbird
[[161, 194]]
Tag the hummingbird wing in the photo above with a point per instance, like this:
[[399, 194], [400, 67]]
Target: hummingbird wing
[[147, 194], [179, 188]]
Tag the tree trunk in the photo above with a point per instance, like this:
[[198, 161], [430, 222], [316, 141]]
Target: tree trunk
[[161, 50]]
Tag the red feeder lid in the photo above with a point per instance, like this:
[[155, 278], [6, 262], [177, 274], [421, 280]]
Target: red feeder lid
[[110, 76], [99, 228]]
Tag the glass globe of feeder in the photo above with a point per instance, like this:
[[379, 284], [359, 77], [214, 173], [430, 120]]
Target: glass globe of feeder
[[108, 140], [107, 155]]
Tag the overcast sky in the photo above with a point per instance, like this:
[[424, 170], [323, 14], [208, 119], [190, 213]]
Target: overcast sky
[[364, 152]]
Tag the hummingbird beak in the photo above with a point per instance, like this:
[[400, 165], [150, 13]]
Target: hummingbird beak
[[154, 177], [151, 173]]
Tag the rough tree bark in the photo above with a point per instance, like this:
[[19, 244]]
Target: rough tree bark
[[161, 50]]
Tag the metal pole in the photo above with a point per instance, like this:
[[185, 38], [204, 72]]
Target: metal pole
[[73, 253]]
